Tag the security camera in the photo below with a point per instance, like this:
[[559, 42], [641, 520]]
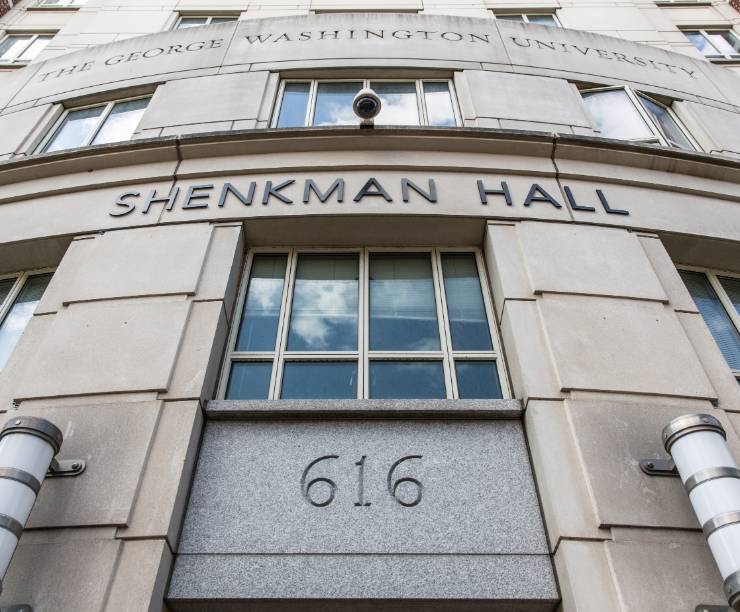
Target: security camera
[[366, 106]]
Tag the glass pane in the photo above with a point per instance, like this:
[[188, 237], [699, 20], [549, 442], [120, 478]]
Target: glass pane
[[439, 104], [546, 20], [715, 316], [75, 129], [122, 121], [5, 286], [258, 329], [249, 380], [732, 287], [615, 115], [407, 380], [319, 380], [725, 42], [35, 48], [325, 297], [511, 17], [701, 43], [403, 310], [189, 22], [465, 307], [294, 105], [334, 104], [12, 46], [20, 314], [668, 125], [223, 19], [398, 105], [477, 380]]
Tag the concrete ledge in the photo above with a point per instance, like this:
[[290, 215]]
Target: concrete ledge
[[321, 409]]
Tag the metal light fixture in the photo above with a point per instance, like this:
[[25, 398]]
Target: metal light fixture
[[27, 449], [697, 444]]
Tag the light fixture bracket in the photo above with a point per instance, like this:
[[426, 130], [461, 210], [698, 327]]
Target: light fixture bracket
[[18, 608], [67, 467], [659, 467]]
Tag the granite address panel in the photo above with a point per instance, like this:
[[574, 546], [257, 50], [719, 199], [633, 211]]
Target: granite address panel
[[448, 507]]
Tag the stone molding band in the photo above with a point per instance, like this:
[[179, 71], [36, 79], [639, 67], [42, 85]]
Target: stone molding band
[[21, 476], [732, 590], [719, 521], [708, 474], [10, 524]]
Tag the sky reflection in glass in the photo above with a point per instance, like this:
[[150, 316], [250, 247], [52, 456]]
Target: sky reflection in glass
[[334, 103], [76, 129], [616, 116], [294, 105], [398, 103], [439, 104], [325, 303], [477, 380], [407, 380], [465, 308], [122, 121], [20, 314], [320, 380], [403, 311], [249, 380], [258, 329]]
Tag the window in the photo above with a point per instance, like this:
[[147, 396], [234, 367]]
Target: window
[[624, 114], [99, 124], [717, 296], [420, 102], [22, 48], [191, 22], [19, 295], [715, 44], [364, 323], [61, 3], [546, 19]]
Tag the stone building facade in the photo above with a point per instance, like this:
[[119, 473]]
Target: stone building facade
[[320, 366]]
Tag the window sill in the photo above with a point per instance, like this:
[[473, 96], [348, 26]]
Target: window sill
[[9, 66], [684, 4], [52, 8]]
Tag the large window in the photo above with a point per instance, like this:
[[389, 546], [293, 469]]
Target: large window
[[546, 19], [100, 124], [420, 102], [363, 323], [19, 295], [717, 296], [624, 114], [715, 44], [199, 20], [22, 48]]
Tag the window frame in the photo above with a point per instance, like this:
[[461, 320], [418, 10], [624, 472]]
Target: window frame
[[20, 282], [314, 85], [69, 5], [721, 57], [658, 137], [713, 275], [363, 355], [209, 18], [34, 37], [553, 14], [52, 132]]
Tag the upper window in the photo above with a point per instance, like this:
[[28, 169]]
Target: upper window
[[62, 2], [622, 114], [546, 19], [715, 44], [19, 295], [100, 124], [191, 22], [717, 297], [22, 48], [420, 102], [363, 323]]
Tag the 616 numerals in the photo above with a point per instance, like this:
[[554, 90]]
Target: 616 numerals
[[321, 501]]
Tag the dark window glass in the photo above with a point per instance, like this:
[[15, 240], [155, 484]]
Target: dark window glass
[[403, 311], [5, 286], [668, 125], [249, 380], [465, 308], [319, 380], [324, 312], [294, 105], [20, 314], [258, 329], [334, 103], [715, 316], [478, 380], [732, 287], [407, 380]]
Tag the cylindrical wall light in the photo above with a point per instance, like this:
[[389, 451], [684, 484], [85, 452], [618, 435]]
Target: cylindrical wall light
[[27, 448], [697, 443]]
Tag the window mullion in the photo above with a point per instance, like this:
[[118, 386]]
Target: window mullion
[[99, 124], [646, 116], [724, 299], [364, 362], [421, 103], [284, 320], [12, 296], [311, 110], [445, 335]]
